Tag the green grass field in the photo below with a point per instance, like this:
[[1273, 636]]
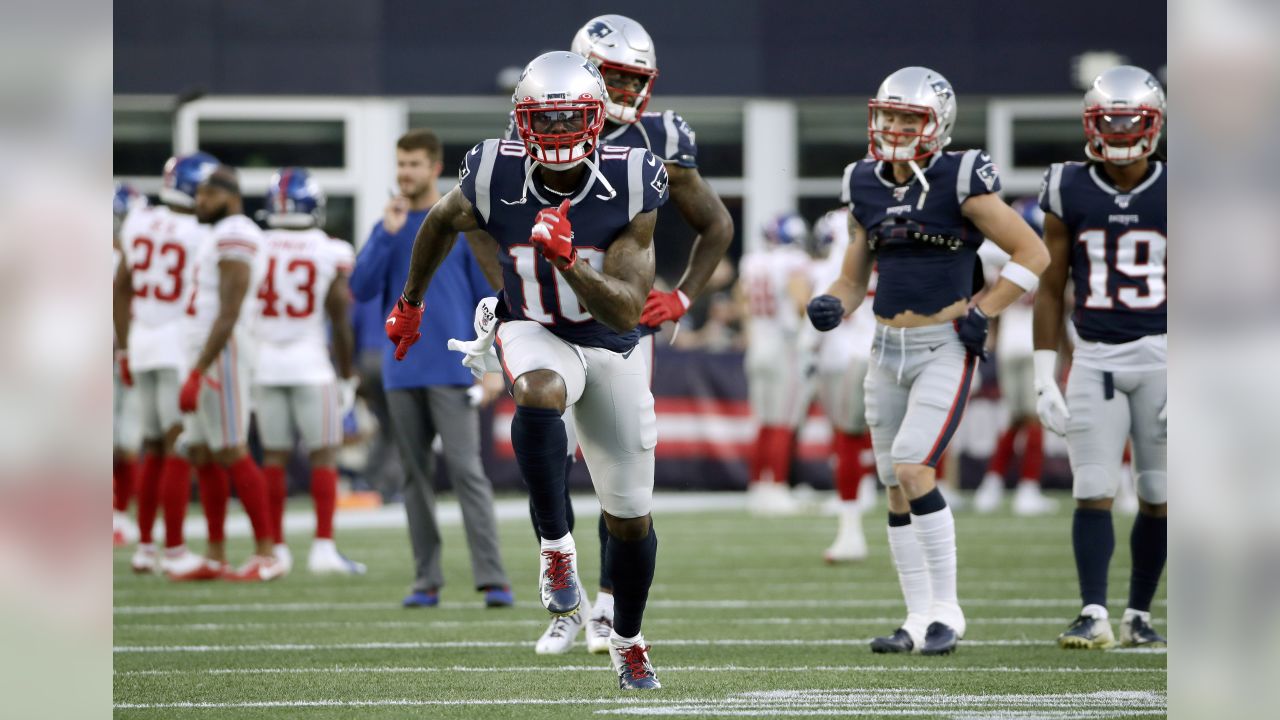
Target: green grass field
[[744, 620]]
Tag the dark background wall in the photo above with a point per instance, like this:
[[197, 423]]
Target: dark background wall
[[717, 47]]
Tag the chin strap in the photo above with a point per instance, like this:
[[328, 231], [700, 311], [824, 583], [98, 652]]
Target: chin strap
[[924, 184], [594, 169]]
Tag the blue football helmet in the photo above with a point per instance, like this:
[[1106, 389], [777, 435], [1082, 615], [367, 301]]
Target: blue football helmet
[[182, 173], [126, 198], [824, 232], [294, 199], [1029, 209], [786, 229]]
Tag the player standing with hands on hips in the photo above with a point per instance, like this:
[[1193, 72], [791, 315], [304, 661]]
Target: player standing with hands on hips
[[921, 228]]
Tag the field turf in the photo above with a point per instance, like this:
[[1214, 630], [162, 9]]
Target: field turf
[[744, 618]]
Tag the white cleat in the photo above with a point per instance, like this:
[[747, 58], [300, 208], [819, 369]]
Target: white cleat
[[124, 531], [182, 565], [771, 499], [145, 559], [284, 556], [850, 544], [986, 499], [325, 559], [560, 634], [599, 628], [1028, 500]]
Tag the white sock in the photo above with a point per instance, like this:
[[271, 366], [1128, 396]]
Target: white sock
[[1130, 613], [564, 544], [936, 532], [1096, 612], [913, 575], [618, 641], [604, 604]]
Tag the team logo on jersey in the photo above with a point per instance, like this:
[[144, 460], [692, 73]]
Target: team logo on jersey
[[463, 170], [599, 30], [660, 180], [1123, 201], [987, 174], [900, 193]]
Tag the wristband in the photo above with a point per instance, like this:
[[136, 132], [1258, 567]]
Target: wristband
[[684, 299], [1020, 276], [1045, 363]]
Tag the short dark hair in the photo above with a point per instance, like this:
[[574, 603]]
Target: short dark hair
[[421, 139]]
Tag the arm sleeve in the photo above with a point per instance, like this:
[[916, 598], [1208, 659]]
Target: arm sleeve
[[368, 278], [682, 148], [656, 183], [238, 241], [474, 188]]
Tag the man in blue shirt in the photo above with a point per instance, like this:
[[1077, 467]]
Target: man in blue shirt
[[427, 393]]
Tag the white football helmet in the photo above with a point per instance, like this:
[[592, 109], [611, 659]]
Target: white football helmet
[[917, 90], [1123, 115], [559, 109], [614, 42]]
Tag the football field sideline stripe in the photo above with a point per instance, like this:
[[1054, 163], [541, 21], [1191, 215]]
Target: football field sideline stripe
[[670, 604], [465, 644], [910, 669]]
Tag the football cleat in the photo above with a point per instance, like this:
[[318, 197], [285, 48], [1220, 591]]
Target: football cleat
[[258, 568], [1087, 633], [498, 596], [284, 555], [560, 635], [421, 598], [123, 530], [324, 558], [1029, 501], [1136, 631], [899, 642], [182, 565], [145, 560], [939, 639], [631, 661], [599, 630], [850, 544], [986, 499], [558, 583]]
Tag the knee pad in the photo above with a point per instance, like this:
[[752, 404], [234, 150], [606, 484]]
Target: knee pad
[[1153, 487], [1093, 482]]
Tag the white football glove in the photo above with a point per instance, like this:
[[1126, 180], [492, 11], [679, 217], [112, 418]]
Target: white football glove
[[478, 354], [1050, 405], [347, 393]]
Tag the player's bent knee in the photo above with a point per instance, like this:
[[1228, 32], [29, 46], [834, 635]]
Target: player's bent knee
[[324, 457], [627, 529], [1153, 487], [915, 479], [540, 389], [1093, 482]]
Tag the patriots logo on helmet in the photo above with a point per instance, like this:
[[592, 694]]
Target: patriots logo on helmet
[[943, 89], [599, 30]]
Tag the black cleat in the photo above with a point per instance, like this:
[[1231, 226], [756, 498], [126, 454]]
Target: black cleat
[[939, 639], [899, 642], [1087, 633], [558, 583], [635, 672], [1136, 631]]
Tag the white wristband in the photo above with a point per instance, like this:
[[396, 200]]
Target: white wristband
[[684, 299], [1045, 363], [1020, 276]]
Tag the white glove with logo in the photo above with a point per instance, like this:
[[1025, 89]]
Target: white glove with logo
[[1050, 405], [347, 392], [478, 354]]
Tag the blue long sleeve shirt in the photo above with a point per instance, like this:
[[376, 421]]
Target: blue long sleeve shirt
[[380, 273]]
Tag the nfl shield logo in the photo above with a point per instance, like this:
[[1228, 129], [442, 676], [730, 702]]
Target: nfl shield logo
[[1123, 201], [900, 192]]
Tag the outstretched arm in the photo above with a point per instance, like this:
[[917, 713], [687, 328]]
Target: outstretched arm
[[616, 295], [453, 214], [706, 214]]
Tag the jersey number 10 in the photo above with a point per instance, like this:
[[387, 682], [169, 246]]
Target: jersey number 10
[[525, 258]]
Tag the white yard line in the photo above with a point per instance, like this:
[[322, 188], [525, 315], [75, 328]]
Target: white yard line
[[468, 644], [909, 669]]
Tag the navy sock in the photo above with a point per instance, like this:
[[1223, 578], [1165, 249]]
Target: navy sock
[[540, 444], [606, 567], [568, 503], [899, 519], [1094, 539], [1149, 544], [632, 565], [930, 502]]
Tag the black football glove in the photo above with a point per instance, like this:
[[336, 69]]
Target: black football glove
[[825, 312], [972, 329]]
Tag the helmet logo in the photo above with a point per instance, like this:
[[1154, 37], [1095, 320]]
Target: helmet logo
[[599, 30], [942, 89]]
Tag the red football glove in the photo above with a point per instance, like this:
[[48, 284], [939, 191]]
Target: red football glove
[[190, 392], [402, 326], [661, 307], [553, 236], [126, 377]]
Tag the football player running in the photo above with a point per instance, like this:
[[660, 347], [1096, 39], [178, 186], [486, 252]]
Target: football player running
[[1106, 228], [921, 225], [152, 288], [295, 386], [572, 224], [214, 398], [625, 55]]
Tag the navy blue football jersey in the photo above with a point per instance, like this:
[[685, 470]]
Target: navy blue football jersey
[[664, 134], [495, 177], [1118, 250], [925, 252]]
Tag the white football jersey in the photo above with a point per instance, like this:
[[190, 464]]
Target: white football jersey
[[292, 337], [159, 248], [234, 238], [765, 276], [853, 337]]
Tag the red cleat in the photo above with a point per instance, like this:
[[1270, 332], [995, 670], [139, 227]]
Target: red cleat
[[256, 569]]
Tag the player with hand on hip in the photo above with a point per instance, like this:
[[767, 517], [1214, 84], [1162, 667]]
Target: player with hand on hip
[[921, 226]]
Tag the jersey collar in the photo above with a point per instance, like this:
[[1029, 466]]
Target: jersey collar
[[891, 184], [1157, 169], [537, 188]]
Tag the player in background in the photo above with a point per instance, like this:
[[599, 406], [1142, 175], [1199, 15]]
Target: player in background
[[1106, 225], [214, 397], [774, 285], [1016, 377], [627, 59], [294, 384], [842, 361], [152, 289], [126, 432], [572, 225], [921, 226]]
